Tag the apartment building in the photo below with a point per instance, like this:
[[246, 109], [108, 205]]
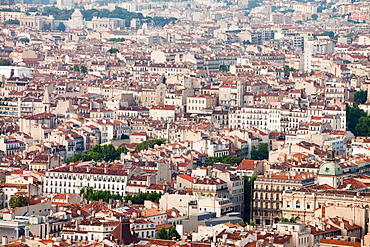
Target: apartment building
[[268, 191], [72, 178]]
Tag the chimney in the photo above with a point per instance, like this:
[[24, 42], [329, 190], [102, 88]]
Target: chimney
[[323, 212], [70, 168], [224, 237], [88, 168], [4, 240], [27, 232], [23, 239]]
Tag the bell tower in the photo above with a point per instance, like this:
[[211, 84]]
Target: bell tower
[[46, 101]]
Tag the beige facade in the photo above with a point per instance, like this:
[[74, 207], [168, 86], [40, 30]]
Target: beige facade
[[198, 103], [303, 205], [153, 95], [268, 193]]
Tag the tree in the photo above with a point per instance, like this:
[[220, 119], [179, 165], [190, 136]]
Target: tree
[[12, 22], [363, 126], [241, 223], [247, 42], [224, 67], [149, 144], [113, 50], [162, 233], [105, 195], [172, 233], [99, 153], [314, 17], [261, 152], [117, 39], [61, 27], [19, 200], [24, 40], [292, 220], [168, 235], [326, 33], [360, 97], [248, 195], [353, 114], [141, 197], [5, 62], [288, 70], [284, 219], [252, 223], [225, 159], [83, 69], [76, 68]]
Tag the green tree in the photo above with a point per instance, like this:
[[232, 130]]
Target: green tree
[[61, 27], [224, 67], [149, 144], [314, 17], [105, 195], [360, 97], [261, 152], [284, 219], [288, 70], [117, 39], [5, 62], [353, 114], [12, 22], [162, 233], [247, 42], [83, 69], [292, 220], [76, 68], [113, 50], [9, 10], [225, 159], [248, 195], [59, 14], [363, 126], [24, 40], [141, 197], [99, 153], [252, 223], [326, 33], [241, 223], [172, 233], [19, 200]]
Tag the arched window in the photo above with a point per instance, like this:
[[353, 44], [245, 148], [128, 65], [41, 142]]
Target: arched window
[[298, 204]]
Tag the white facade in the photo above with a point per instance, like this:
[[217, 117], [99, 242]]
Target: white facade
[[72, 180], [12, 71], [256, 117]]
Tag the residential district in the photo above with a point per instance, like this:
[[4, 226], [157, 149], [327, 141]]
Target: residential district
[[184, 123]]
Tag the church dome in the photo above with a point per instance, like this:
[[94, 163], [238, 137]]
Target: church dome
[[330, 168], [77, 14]]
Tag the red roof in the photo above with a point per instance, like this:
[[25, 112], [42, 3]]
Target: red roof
[[187, 177]]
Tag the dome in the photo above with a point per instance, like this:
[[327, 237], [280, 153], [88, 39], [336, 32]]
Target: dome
[[330, 168], [77, 14]]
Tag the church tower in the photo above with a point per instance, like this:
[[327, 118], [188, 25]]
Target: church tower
[[330, 173], [46, 101]]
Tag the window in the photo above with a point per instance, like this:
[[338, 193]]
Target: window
[[298, 204]]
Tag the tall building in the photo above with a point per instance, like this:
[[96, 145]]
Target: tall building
[[69, 4], [268, 191]]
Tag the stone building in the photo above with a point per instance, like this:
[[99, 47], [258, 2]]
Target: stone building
[[268, 192]]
